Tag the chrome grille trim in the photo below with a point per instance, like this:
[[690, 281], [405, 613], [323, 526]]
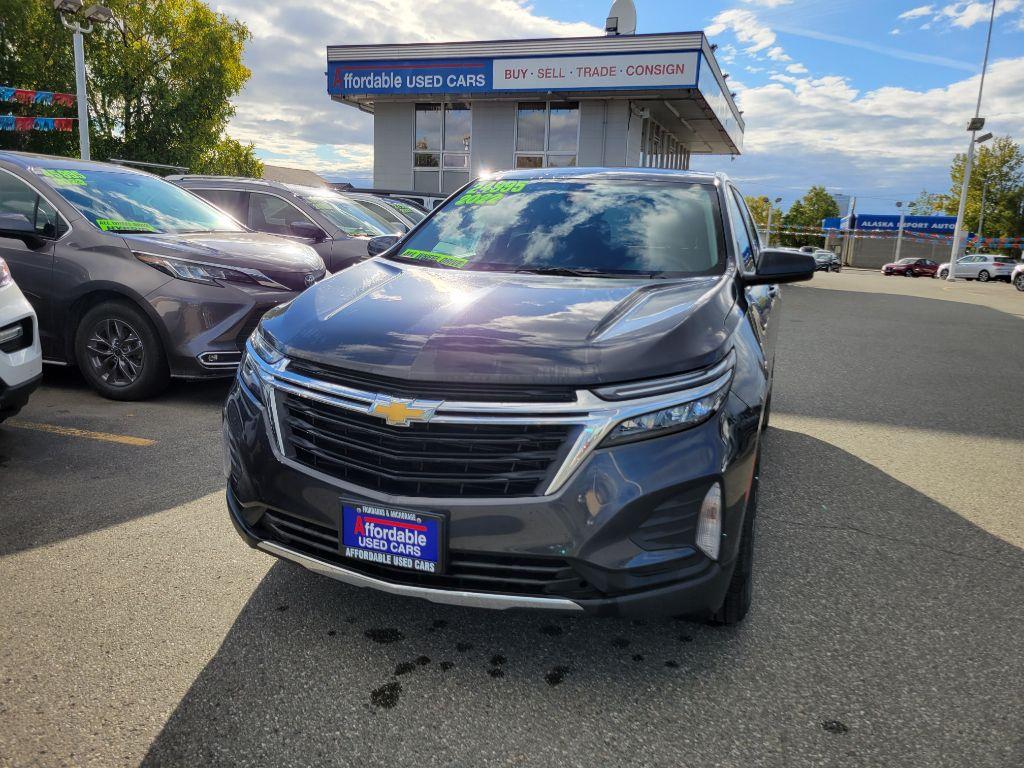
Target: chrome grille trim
[[595, 417]]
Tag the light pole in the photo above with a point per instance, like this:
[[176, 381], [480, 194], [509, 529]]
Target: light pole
[[69, 11], [974, 126], [899, 235], [768, 229]]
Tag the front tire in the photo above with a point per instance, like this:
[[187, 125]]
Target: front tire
[[984, 276], [120, 353], [944, 274], [1018, 282]]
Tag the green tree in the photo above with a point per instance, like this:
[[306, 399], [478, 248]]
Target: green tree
[[999, 167], [759, 207], [807, 214], [230, 158], [925, 204], [160, 81]]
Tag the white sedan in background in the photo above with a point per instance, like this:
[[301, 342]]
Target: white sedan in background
[[981, 267], [21, 359]]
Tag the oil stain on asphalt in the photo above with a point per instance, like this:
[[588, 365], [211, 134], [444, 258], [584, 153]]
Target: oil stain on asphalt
[[556, 675], [384, 636], [386, 696]]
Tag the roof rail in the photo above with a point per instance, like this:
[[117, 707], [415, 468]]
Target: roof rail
[[157, 166]]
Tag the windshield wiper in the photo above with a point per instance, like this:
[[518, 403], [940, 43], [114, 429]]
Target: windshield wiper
[[128, 231], [566, 271]]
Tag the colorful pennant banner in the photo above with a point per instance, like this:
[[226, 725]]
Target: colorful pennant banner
[[887, 234], [27, 96], [16, 123]]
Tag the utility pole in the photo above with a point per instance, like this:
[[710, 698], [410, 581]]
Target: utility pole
[[974, 126], [899, 236], [768, 229]]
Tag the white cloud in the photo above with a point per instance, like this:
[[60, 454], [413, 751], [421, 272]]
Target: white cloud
[[894, 31], [768, 3], [921, 10], [797, 69], [284, 109], [889, 138], [777, 54], [745, 26]]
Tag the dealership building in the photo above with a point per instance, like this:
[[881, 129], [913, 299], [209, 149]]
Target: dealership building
[[447, 112]]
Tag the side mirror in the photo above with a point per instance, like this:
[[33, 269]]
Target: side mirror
[[18, 227], [309, 230], [781, 266], [381, 243]]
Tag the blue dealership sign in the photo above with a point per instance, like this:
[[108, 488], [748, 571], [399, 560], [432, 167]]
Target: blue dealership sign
[[589, 72], [935, 225], [401, 77]]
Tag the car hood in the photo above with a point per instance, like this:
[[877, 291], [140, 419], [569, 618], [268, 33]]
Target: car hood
[[286, 261], [427, 324]]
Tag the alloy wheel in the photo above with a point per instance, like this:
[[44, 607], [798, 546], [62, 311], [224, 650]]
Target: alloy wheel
[[116, 352], [983, 276], [1019, 282]]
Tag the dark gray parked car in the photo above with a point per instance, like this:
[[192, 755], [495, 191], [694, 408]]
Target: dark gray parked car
[[133, 279], [335, 226]]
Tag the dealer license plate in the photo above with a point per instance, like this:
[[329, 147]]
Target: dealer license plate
[[396, 538]]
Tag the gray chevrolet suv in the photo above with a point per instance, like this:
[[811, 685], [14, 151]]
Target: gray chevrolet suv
[[133, 279], [337, 227]]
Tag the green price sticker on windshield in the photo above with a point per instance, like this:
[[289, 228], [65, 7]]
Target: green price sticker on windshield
[[490, 192], [441, 258], [65, 177], [115, 225]]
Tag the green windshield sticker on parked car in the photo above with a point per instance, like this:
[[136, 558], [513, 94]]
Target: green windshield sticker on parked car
[[64, 177], [441, 258], [116, 225], [490, 192]]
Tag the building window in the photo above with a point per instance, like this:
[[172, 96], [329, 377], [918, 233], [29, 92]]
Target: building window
[[547, 134], [660, 148], [441, 148]]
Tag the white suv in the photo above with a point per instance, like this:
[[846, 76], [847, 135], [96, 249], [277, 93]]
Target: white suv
[[981, 267], [21, 359]]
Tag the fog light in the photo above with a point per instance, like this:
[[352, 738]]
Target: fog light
[[11, 332], [709, 526]]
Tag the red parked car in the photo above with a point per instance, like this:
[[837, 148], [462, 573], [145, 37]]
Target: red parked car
[[912, 268]]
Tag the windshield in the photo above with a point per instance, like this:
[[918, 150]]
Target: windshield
[[352, 219], [599, 226], [906, 261], [118, 201], [415, 215]]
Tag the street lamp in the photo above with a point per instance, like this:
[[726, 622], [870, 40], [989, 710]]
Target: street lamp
[[974, 126], [69, 11], [768, 229]]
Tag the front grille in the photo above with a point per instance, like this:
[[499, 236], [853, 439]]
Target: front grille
[[432, 460], [463, 391], [465, 571]]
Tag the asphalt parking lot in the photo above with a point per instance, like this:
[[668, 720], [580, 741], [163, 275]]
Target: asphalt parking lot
[[887, 630]]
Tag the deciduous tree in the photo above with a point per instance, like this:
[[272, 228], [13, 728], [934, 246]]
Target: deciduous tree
[[160, 79]]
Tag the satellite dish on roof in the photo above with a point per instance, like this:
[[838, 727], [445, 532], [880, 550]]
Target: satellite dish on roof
[[621, 18]]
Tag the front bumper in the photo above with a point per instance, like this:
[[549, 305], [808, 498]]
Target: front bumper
[[576, 549], [13, 398], [205, 326]]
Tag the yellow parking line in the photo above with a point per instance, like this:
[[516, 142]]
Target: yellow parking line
[[73, 432]]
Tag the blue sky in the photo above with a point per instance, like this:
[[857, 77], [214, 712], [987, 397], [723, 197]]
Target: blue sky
[[866, 97]]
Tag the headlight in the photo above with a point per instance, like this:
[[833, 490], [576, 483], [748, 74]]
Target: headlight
[[5, 274], [260, 345], [203, 272], [265, 346], [667, 420]]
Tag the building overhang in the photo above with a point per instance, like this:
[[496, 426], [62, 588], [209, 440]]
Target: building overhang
[[674, 76]]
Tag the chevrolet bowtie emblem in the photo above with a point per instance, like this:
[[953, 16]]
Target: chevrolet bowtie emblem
[[401, 413]]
